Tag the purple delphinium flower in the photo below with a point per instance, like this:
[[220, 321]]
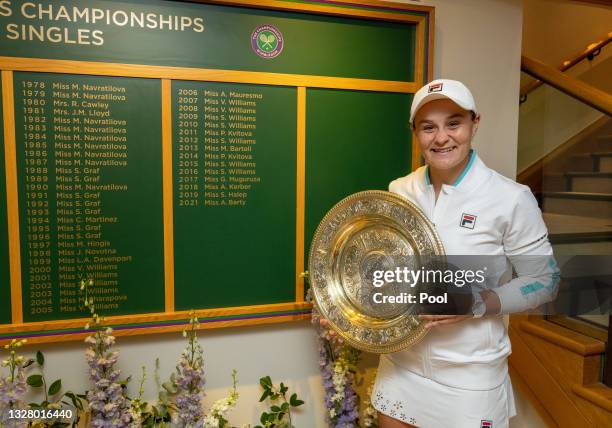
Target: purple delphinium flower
[[337, 365], [349, 411], [13, 387], [109, 406], [189, 381], [12, 392]]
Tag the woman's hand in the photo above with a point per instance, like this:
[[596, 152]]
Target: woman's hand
[[326, 332], [435, 320], [325, 325]]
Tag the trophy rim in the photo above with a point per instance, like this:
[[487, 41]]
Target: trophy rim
[[415, 334]]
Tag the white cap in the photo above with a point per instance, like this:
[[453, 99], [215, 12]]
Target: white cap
[[443, 88]]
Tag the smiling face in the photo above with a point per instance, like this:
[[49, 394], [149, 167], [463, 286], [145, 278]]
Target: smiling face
[[444, 132]]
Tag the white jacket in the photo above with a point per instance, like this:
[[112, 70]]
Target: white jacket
[[482, 214]]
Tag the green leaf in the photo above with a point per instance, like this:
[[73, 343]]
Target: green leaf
[[283, 388], [263, 418], [275, 409], [55, 387], [72, 397], [285, 407], [170, 387], [35, 380], [162, 409], [266, 382], [40, 358], [265, 395], [294, 400], [76, 401], [275, 396]]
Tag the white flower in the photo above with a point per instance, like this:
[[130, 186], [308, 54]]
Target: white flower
[[221, 408], [369, 412], [211, 422]]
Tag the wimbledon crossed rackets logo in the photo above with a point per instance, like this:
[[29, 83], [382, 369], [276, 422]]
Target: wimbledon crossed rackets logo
[[267, 41]]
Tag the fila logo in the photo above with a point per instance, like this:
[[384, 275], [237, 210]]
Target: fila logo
[[468, 221], [436, 87], [486, 424]]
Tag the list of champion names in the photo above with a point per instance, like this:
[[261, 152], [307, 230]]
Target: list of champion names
[[216, 131], [73, 152], [234, 190]]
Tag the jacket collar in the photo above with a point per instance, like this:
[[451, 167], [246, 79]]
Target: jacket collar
[[474, 173]]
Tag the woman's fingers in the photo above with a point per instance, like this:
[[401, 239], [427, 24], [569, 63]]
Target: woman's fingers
[[445, 319], [436, 317], [325, 324]]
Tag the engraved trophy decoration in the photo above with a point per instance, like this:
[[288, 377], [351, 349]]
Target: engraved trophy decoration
[[369, 232]]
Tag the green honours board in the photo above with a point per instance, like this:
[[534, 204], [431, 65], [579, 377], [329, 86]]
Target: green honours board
[[165, 33], [234, 157], [377, 151], [5, 284], [181, 154], [87, 210]]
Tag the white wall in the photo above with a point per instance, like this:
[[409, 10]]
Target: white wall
[[477, 43], [555, 30]]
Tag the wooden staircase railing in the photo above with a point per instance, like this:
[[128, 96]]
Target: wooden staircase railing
[[571, 86], [590, 52]]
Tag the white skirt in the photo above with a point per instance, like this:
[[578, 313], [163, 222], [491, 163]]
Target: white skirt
[[422, 402]]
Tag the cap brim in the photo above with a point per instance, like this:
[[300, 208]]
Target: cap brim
[[432, 97]]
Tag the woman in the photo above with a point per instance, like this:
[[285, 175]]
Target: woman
[[457, 376]]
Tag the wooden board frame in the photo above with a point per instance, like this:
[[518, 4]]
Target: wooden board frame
[[171, 320]]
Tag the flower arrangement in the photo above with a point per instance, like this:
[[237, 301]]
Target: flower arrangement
[[138, 406], [187, 387], [54, 403], [370, 416], [216, 417], [110, 407], [161, 412], [188, 381], [108, 403], [277, 416], [338, 365], [338, 370], [13, 387]]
